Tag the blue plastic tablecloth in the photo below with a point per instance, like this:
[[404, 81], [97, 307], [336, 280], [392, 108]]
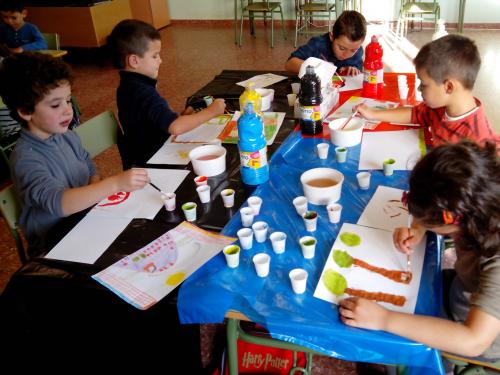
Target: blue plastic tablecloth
[[303, 319]]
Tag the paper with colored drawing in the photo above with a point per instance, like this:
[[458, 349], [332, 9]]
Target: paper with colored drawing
[[385, 210], [152, 272], [172, 153], [352, 82], [406, 147], [206, 132], [364, 262], [272, 122], [262, 80], [89, 239], [144, 203]]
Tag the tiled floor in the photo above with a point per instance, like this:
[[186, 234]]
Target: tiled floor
[[193, 54]]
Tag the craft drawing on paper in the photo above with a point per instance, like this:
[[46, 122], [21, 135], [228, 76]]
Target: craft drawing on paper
[[337, 284], [394, 208], [115, 199], [206, 132]]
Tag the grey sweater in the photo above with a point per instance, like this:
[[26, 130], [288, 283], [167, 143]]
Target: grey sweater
[[41, 171]]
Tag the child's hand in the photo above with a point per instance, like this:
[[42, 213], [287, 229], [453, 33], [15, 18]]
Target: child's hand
[[217, 107], [363, 313], [365, 111], [406, 238], [133, 179], [349, 71]]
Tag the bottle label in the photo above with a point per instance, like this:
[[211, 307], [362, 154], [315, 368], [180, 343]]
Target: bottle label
[[254, 159], [310, 112], [370, 76]]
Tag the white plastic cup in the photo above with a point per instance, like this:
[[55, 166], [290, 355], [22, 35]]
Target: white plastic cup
[[245, 235], [255, 203], [403, 92], [300, 204], [189, 209], [232, 254], [278, 241], [296, 88], [169, 201], [228, 197], [364, 180], [323, 150], [247, 216], [291, 99], [200, 180], [388, 167], [261, 262], [341, 154], [260, 231], [298, 278], [310, 220], [204, 193], [334, 212], [402, 78], [308, 246]]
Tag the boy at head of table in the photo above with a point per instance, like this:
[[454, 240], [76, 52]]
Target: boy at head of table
[[454, 191], [447, 68], [16, 34], [52, 173], [341, 46], [145, 116]]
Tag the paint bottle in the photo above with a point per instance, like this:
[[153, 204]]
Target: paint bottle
[[309, 103], [373, 69], [251, 96], [252, 145]]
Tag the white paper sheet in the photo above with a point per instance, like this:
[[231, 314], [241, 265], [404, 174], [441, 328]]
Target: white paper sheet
[[262, 80], [171, 153], [403, 146], [385, 210], [144, 203], [352, 82], [376, 249], [205, 133], [88, 240], [149, 274], [346, 109]]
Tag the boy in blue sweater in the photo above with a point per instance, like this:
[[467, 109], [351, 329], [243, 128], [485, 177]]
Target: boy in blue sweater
[[145, 116], [341, 46], [52, 173], [16, 34]]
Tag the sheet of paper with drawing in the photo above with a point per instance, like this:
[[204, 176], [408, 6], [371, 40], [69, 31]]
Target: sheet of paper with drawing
[[206, 132], [144, 203], [262, 80], [352, 82], [385, 210], [272, 122], [363, 262], [406, 147], [152, 272], [173, 153]]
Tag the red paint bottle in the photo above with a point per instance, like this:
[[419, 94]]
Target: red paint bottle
[[373, 69]]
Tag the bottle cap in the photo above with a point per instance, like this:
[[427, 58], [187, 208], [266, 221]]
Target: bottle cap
[[374, 39], [249, 108]]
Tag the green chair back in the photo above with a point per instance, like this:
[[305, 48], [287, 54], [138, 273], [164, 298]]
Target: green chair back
[[471, 366], [98, 133], [52, 40], [11, 211]]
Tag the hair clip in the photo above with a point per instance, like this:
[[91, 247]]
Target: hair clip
[[404, 198], [449, 218]]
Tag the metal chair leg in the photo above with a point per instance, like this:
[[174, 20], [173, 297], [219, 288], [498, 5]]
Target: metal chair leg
[[241, 26], [283, 24], [272, 29]]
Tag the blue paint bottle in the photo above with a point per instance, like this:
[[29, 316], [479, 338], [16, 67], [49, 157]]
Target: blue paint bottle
[[253, 147]]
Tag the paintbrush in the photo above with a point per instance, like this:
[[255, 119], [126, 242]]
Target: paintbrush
[[408, 259], [157, 188], [349, 119], [341, 80]]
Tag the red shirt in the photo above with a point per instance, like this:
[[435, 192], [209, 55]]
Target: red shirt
[[440, 129]]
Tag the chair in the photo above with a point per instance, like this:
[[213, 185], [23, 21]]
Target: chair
[[265, 6], [98, 133], [11, 211], [415, 11], [52, 40], [470, 366], [308, 10]]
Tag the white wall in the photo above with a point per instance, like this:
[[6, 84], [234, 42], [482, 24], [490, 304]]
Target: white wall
[[477, 11]]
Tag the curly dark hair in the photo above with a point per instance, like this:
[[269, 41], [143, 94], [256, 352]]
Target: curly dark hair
[[350, 23], [130, 37], [463, 179], [25, 78]]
